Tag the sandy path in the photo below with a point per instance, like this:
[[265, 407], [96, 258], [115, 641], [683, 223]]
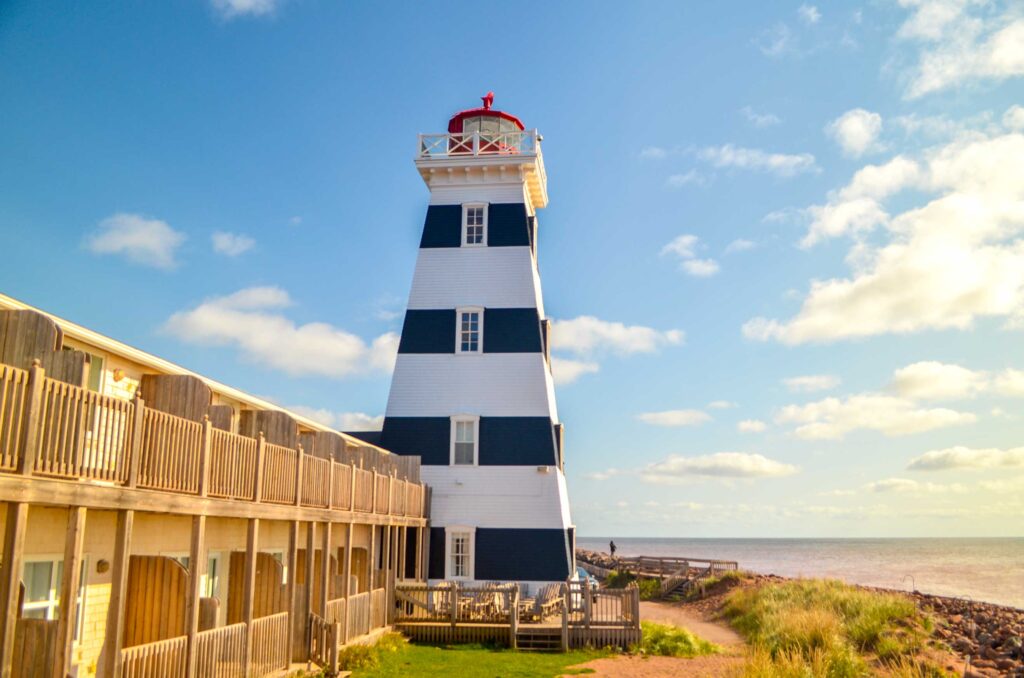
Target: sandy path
[[667, 613]]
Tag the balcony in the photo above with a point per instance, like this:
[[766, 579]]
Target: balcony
[[497, 156]]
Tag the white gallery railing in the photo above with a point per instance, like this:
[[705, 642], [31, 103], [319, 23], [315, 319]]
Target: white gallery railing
[[479, 143]]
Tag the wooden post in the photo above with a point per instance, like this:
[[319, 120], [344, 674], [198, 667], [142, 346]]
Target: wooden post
[[292, 591], [330, 483], [204, 457], [310, 560], [565, 617], [386, 561], [587, 604], [453, 591], [373, 497], [389, 552], [10, 588], [373, 556], [196, 568], [69, 586], [261, 450], [135, 445], [248, 595], [513, 616], [391, 493], [325, 571], [28, 446], [298, 475], [347, 573], [118, 594], [418, 566]]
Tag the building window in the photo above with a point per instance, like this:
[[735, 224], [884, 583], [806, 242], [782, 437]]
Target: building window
[[460, 553], [465, 440], [469, 334], [474, 225], [42, 579]]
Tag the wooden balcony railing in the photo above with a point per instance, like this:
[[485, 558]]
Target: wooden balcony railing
[[51, 428], [220, 652], [162, 658], [270, 643]]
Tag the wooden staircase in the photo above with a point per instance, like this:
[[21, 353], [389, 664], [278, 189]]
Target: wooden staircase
[[539, 638]]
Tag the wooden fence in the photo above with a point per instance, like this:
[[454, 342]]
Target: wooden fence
[[220, 653], [336, 611], [324, 639], [78, 433], [359, 614], [270, 643], [164, 658], [378, 608]]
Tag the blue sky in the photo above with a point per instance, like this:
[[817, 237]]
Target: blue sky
[[784, 247]]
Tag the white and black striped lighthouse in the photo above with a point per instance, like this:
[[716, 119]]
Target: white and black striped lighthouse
[[472, 392]]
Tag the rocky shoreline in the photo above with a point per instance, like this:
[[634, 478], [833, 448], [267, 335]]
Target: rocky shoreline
[[988, 637]]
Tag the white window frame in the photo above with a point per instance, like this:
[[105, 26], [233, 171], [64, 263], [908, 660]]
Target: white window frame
[[53, 602], [458, 330], [465, 419], [450, 532], [465, 224]]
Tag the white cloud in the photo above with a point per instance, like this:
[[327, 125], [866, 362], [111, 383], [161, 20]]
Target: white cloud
[[809, 14], [341, 421], [586, 335], [675, 418], [684, 248], [230, 9], [856, 131], [1010, 382], [932, 380], [760, 120], [1013, 119], [908, 486], [149, 242], [751, 426], [957, 257], [566, 371], [740, 245], [653, 152], [811, 382], [719, 465], [721, 404], [958, 45], [231, 244], [775, 41], [685, 179], [249, 320], [781, 164], [833, 418], [968, 458], [602, 475]]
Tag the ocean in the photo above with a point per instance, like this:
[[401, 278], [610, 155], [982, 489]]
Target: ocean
[[990, 570]]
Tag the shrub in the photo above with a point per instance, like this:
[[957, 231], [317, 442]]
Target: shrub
[[649, 589], [671, 641], [369, 656]]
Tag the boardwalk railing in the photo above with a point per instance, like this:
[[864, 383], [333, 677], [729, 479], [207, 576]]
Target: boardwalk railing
[[656, 565], [270, 643], [164, 658], [220, 653], [73, 433]]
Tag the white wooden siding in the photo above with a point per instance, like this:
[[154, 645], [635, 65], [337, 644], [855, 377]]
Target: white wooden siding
[[486, 384], [497, 497], [457, 194], [492, 277]]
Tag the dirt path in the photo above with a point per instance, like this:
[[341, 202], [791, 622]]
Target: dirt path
[[676, 615]]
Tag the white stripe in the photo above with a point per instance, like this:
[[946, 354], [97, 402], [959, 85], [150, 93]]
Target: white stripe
[[456, 194], [492, 277], [485, 384], [497, 497]]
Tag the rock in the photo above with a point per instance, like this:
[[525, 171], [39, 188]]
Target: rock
[[1005, 664]]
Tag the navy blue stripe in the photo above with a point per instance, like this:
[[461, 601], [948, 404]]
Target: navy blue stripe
[[519, 554], [507, 226], [504, 441], [435, 562], [506, 330]]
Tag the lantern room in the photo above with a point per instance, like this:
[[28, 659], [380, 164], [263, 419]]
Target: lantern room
[[484, 120]]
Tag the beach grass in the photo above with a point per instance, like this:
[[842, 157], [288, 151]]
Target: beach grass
[[825, 628], [671, 641], [394, 656]]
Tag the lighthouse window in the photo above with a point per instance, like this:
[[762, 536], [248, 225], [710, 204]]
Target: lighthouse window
[[474, 225], [470, 330], [464, 440]]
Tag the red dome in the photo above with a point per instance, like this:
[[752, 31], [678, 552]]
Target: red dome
[[483, 118]]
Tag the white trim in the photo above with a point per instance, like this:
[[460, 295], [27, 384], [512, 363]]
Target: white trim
[[53, 602], [465, 224], [464, 419], [448, 533], [480, 330]]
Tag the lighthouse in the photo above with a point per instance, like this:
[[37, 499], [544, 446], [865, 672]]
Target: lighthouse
[[472, 392]]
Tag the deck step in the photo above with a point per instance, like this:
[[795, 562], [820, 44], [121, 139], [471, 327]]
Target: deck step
[[539, 640]]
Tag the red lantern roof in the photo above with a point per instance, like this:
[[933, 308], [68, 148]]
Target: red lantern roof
[[455, 125]]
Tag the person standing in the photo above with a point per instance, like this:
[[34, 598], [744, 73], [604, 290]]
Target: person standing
[[611, 547]]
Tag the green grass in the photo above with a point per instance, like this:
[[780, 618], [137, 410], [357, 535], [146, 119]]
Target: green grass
[[395, 657], [824, 628], [650, 589], [671, 641]]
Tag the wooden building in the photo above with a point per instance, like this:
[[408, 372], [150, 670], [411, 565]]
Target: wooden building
[[156, 523]]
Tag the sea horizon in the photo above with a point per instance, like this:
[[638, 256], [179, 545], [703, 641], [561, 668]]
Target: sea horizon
[[989, 569]]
